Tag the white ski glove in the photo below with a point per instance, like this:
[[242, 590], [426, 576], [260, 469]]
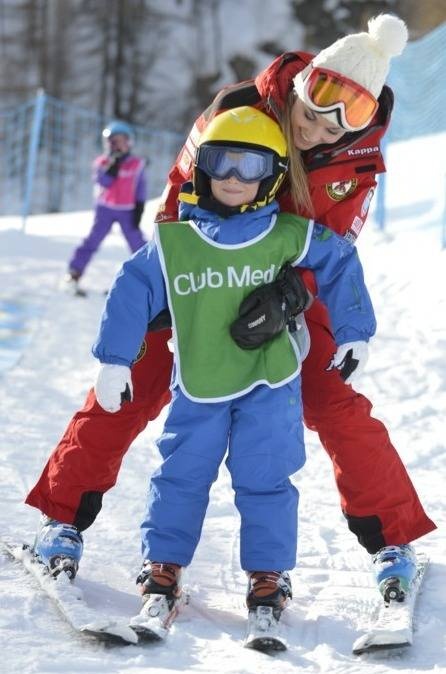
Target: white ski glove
[[350, 359], [113, 386]]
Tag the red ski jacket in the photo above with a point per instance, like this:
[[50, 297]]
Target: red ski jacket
[[341, 176]]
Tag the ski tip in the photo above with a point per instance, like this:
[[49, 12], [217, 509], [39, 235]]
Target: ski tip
[[119, 634], [373, 648], [368, 643], [148, 629], [266, 645], [148, 634]]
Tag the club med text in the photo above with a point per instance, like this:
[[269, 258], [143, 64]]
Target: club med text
[[184, 284]]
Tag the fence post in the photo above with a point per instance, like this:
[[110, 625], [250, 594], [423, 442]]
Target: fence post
[[381, 193], [39, 113]]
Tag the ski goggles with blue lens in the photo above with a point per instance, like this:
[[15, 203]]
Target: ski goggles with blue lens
[[222, 162]]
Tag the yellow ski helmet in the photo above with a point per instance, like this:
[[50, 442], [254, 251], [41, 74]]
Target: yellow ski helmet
[[248, 131]]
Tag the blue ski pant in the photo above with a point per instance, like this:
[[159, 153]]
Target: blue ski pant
[[104, 218], [261, 435]]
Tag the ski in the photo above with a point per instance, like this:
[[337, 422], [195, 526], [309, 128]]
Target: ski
[[69, 599], [263, 631], [393, 625], [156, 617]]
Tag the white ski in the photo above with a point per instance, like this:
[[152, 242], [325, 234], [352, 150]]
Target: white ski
[[69, 598], [263, 632], [393, 626]]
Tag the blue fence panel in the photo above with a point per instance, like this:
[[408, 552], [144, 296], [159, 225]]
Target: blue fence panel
[[419, 81], [15, 127], [47, 148], [417, 78]]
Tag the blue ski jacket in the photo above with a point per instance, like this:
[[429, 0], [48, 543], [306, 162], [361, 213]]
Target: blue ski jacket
[[138, 294]]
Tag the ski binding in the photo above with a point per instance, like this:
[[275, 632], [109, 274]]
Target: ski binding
[[156, 617], [263, 633], [393, 626]]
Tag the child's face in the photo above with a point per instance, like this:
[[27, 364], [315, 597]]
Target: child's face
[[232, 192], [118, 143]]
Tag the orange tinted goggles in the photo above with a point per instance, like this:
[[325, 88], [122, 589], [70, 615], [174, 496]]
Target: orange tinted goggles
[[325, 90]]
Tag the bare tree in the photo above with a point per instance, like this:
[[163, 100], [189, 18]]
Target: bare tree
[[156, 62], [325, 22]]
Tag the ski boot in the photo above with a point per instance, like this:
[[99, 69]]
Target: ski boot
[[160, 586], [267, 595], [395, 568], [71, 285], [59, 546]]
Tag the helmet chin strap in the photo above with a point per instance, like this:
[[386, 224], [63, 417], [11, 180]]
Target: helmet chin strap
[[209, 203]]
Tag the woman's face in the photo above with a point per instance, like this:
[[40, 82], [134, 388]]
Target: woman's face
[[311, 129]]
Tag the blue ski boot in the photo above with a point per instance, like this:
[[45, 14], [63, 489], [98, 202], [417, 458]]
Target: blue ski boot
[[395, 568], [59, 546]]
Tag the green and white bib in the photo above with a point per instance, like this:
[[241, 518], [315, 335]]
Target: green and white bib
[[206, 281]]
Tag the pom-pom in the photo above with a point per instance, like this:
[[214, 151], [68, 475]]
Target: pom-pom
[[389, 33]]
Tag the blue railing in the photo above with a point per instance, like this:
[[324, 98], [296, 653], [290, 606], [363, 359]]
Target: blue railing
[[47, 149], [417, 78]]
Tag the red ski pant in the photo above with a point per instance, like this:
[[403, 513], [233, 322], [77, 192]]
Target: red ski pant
[[86, 462], [377, 495], [378, 498]]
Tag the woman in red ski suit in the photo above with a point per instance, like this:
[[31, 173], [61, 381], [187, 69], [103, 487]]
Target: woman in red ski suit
[[377, 495]]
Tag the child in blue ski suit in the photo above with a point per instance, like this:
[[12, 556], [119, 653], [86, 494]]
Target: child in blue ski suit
[[226, 400]]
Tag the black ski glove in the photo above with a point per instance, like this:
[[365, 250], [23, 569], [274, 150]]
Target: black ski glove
[[137, 213], [114, 162], [268, 310]]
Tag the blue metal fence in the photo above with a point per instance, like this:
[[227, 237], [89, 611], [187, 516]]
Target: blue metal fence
[[419, 81], [15, 125], [417, 78], [47, 148]]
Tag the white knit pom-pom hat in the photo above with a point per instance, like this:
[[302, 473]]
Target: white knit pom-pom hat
[[365, 57]]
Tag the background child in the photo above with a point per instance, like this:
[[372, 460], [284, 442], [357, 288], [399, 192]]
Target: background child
[[120, 195], [245, 403]]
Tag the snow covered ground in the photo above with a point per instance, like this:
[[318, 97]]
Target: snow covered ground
[[45, 378]]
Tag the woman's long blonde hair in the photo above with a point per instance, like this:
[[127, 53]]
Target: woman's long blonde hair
[[297, 175]]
